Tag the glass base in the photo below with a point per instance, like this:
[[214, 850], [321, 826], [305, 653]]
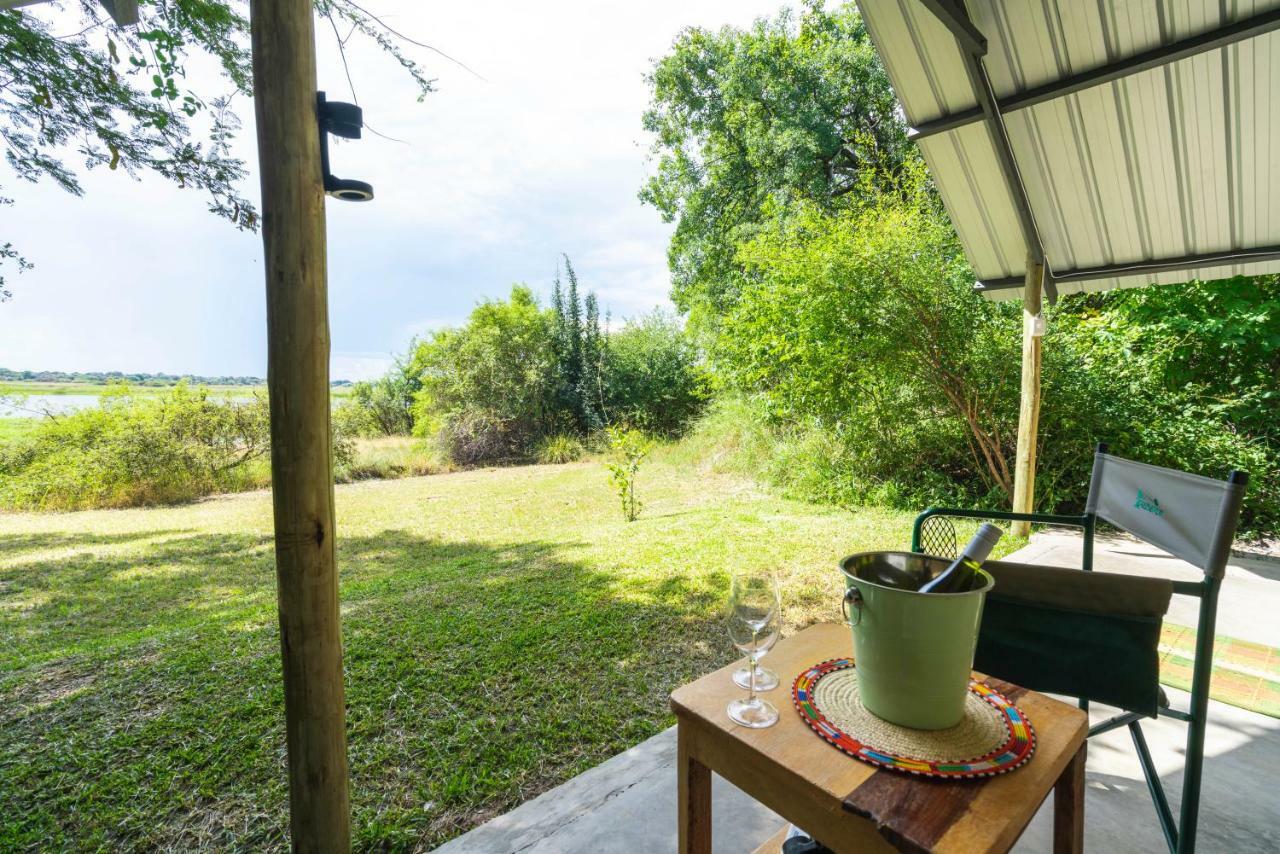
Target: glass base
[[766, 679], [756, 713]]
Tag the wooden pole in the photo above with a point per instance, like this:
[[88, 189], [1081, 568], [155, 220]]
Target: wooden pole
[[293, 237], [1024, 472]]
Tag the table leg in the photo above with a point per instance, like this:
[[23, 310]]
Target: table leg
[[1068, 806], [695, 798]]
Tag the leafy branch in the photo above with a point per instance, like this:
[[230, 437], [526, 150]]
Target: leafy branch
[[107, 96]]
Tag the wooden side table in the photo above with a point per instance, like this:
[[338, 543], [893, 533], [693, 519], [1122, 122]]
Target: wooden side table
[[852, 806]]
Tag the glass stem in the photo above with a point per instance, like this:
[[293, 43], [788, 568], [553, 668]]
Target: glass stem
[[754, 652]]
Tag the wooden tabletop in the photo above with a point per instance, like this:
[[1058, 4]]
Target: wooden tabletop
[[851, 805]]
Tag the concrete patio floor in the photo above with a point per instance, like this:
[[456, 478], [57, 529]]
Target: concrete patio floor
[[628, 803]]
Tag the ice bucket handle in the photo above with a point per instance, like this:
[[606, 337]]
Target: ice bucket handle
[[852, 596]]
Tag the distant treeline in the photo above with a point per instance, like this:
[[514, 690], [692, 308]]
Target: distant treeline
[[105, 377]]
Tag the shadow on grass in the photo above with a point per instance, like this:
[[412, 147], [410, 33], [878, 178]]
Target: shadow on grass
[[141, 705], [12, 545]]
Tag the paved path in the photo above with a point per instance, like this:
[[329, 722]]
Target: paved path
[[628, 803]]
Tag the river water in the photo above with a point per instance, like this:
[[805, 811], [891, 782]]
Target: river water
[[35, 405]]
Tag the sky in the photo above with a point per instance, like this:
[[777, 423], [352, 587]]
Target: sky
[[492, 178]]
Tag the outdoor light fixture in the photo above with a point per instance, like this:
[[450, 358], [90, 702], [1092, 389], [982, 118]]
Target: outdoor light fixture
[[344, 120]]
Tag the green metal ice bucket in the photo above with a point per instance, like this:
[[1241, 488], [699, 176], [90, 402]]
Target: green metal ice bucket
[[913, 651]]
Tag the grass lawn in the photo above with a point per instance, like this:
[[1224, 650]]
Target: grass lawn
[[504, 631]]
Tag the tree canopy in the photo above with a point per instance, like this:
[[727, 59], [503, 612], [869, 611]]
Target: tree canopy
[[791, 109], [102, 95]]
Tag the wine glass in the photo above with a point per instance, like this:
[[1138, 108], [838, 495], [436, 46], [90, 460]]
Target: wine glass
[[766, 679], [755, 617]]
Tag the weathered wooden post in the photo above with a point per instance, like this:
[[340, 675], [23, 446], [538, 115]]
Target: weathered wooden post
[[1024, 471], [293, 237]]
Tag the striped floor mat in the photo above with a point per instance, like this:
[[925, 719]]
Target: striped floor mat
[[1245, 674]]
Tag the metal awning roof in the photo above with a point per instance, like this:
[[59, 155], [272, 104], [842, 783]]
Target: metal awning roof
[[1136, 141]]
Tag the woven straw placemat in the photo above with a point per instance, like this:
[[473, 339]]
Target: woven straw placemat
[[992, 738]]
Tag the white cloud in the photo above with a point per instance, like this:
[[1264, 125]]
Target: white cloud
[[496, 178], [359, 366]]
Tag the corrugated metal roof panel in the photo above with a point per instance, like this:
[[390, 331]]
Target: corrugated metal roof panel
[[1174, 161]]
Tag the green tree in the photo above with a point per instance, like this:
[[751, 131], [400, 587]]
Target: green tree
[[578, 353], [387, 403], [794, 109], [865, 322], [655, 378], [119, 97], [591, 389], [488, 388]]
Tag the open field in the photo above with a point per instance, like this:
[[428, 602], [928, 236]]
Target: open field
[[504, 630], [42, 388]]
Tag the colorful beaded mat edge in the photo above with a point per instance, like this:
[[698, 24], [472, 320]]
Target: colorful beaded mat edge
[[1013, 753]]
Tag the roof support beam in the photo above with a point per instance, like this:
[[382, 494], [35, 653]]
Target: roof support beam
[[294, 263], [1008, 165], [1258, 25], [951, 14], [1159, 265]]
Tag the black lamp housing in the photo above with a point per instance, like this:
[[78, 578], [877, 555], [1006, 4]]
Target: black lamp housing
[[344, 120]]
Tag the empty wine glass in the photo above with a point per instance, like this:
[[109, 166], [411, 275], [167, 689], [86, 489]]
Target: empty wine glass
[[754, 622]]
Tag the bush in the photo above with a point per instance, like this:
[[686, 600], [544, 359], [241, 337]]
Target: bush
[[353, 420], [880, 377], [476, 437], [488, 388], [629, 448], [384, 407], [517, 377], [861, 327], [137, 450], [654, 378], [563, 448]]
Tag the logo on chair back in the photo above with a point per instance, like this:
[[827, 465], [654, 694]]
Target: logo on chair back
[[1148, 503]]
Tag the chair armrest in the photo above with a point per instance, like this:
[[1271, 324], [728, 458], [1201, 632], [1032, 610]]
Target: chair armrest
[[1083, 521]]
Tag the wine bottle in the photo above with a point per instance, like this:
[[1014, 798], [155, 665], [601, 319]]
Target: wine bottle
[[958, 577]]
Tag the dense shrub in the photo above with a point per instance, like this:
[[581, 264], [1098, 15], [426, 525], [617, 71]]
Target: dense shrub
[[488, 387], [137, 450], [864, 325], [472, 437], [352, 419], [516, 376], [384, 407], [883, 378], [1179, 376], [654, 378]]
